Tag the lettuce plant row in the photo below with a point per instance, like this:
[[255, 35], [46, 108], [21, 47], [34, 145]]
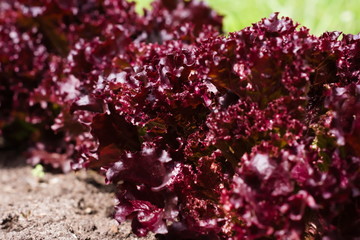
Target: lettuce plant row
[[252, 135]]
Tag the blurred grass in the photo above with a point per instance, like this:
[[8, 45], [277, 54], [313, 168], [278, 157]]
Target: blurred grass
[[318, 15]]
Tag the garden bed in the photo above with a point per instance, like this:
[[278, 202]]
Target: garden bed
[[58, 206]]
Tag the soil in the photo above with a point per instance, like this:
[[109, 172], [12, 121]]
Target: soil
[[57, 206]]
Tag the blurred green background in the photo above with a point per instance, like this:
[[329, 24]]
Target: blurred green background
[[318, 15]]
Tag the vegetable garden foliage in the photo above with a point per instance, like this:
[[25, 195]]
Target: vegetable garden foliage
[[247, 136]]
